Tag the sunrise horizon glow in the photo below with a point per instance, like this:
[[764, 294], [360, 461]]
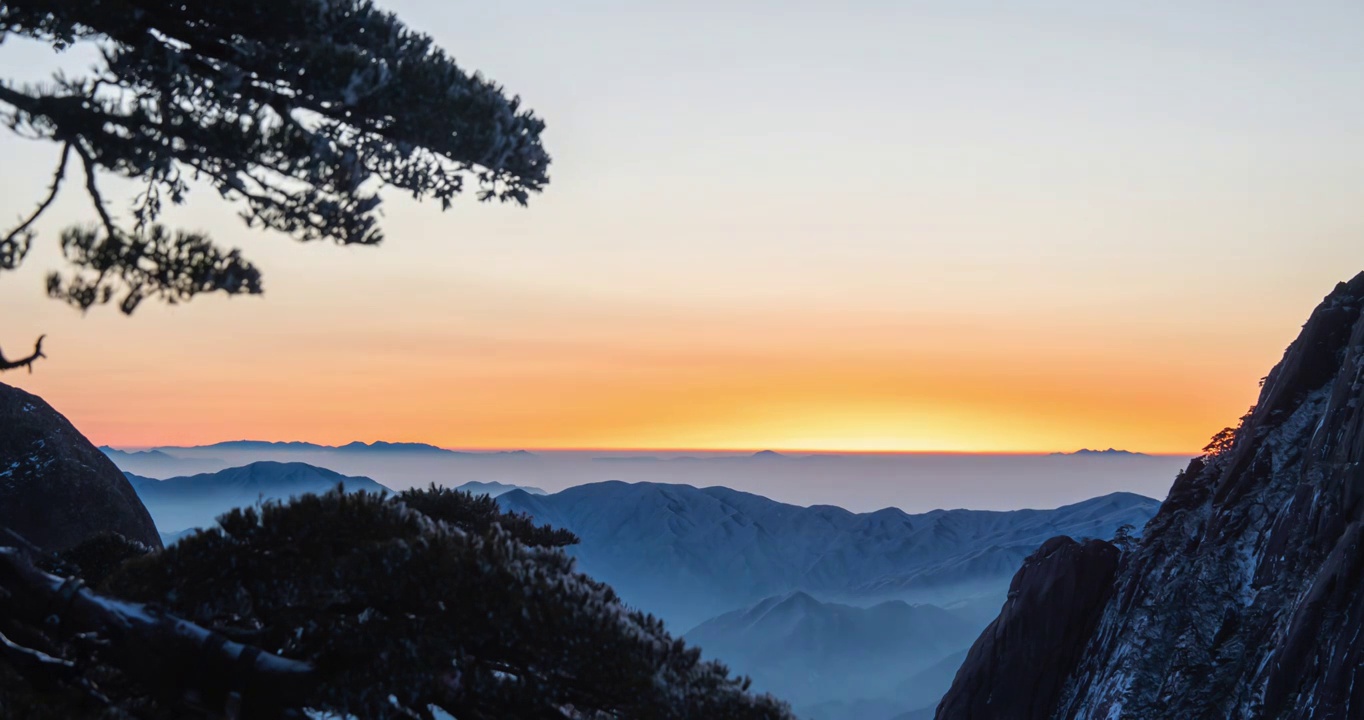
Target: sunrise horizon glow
[[791, 451]]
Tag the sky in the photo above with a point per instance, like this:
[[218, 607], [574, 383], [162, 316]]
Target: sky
[[896, 226]]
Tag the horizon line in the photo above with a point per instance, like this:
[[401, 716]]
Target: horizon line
[[588, 449]]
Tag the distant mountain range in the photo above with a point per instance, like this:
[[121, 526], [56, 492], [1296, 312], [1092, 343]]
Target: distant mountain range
[[180, 503], [416, 447], [356, 446], [1109, 453], [859, 482], [688, 554], [399, 465], [496, 488], [158, 463]]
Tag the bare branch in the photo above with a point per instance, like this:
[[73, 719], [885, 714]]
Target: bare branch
[[15, 244], [31, 659], [25, 362]]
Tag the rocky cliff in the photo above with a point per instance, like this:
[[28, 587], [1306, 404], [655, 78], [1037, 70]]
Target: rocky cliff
[[1245, 595], [56, 488], [1053, 604]]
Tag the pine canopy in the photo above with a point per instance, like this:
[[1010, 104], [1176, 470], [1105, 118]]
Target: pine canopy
[[300, 111], [399, 613]]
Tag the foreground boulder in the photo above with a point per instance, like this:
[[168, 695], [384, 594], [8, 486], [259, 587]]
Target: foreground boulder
[[56, 488], [1245, 596]]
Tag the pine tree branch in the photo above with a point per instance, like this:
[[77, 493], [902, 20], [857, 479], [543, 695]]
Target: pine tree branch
[[95, 196], [25, 362]]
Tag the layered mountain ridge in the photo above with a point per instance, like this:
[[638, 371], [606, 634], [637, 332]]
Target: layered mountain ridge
[[1245, 595], [688, 554]]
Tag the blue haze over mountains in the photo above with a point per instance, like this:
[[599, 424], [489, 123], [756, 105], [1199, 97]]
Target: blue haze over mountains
[[847, 614], [687, 553]]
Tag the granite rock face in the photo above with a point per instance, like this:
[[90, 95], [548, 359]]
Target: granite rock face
[[1053, 604], [1245, 595], [56, 488]]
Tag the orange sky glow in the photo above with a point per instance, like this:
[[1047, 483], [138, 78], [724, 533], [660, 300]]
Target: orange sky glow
[[585, 376], [972, 227]]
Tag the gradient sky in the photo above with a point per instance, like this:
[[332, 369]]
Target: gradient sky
[[941, 225]]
